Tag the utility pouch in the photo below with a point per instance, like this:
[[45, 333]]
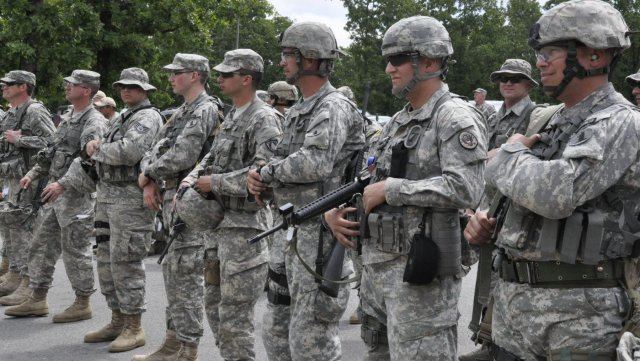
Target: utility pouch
[[387, 232], [399, 160], [423, 258]]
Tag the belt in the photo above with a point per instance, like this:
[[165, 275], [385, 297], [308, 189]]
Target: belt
[[555, 274]]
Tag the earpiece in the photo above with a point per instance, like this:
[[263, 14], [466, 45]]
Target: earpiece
[[594, 57]]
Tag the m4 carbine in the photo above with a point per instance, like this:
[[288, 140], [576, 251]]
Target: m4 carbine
[[332, 270]]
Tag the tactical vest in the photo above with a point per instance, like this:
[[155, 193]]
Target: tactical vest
[[120, 173], [175, 129], [592, 233], [67, 144], [229, 152], [499, 139], [293, 141], [14, 161], [386, 224]]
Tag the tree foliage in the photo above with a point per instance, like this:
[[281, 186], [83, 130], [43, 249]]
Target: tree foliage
[[53, 37], [484, 33]]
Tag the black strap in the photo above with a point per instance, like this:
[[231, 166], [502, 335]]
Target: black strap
[[102, 238], [279, 278], [22, 112], [276, 298], [101, 224]]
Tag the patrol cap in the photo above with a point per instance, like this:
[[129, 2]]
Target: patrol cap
[[237, 59], [19, 76], [135, 76], [99, 95], [633, 78], [480, 90], [104, 102], [514, 67], [81, 76], [193, 62]]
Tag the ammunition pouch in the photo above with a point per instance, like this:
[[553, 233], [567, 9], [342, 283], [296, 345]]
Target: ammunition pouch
[[239, 204], [566, 354], [115, 173], [373, 332], [554, 274], [387, 231]]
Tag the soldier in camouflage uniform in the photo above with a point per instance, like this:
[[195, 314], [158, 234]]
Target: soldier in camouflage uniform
[[322, 133], [176, 150], [64, 222], [573, 199], [634, 81], [122, 222], [234, 270], [479, 96], [26, 128], [282, 96], [515, 82], [408, 317]]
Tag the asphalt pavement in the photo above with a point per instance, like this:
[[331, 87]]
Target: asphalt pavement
[[32, 339]]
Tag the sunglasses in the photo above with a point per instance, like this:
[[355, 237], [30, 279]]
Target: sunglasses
[[128, 86], [399, 59], [7, 85], [512, 79], [227, 75]]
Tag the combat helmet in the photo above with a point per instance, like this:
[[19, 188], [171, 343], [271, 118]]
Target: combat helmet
[[311, 40], [13, 215], [418, 36], [199, 213], [594, 23], [283, 91]]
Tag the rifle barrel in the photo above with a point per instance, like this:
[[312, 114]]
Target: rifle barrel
[[267, 233]]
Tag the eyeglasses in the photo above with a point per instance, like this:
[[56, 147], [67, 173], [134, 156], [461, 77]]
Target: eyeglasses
[[550, 53], [399, 59], [512, 79], [69, 84], [286, 54], [227, 75], [128, 87]]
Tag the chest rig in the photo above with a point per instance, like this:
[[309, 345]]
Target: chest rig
[[120, 173], [67, 143], [386, 225], [15, 161], [230, 151], [499, 138]]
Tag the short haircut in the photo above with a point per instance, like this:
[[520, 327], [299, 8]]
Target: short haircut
[[256, 77], [204, 76]]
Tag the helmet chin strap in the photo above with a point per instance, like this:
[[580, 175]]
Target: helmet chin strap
[[574, 69], [415, 60]]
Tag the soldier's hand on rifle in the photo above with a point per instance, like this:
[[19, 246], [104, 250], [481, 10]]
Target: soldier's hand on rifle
[[92, 146], [151, 196], [143, 180], [12, 136], [479, 229], [51, 192], [203, 184], [254, 183], [25, 182], [527, 141], [373, 196], [341, 227]]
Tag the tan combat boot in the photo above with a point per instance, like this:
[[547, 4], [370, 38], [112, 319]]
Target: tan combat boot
[[188, 352], [132, 335], [19, 295], [167, 352], [481, 354], [4, 266], [78, 311], [10, 284], [35, 305], [109, 332]]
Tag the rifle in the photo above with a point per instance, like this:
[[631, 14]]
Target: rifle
[[176, 227], [332, 271]]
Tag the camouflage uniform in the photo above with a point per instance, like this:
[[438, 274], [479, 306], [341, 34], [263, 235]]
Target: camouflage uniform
[[64, 226], [124, 224], [634, 81], [321, 133], [34, 121], [573, 304], [486, 109], [176, 150], [421, 320], [247, 136]]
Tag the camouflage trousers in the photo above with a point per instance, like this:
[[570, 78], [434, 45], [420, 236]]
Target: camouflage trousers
[[58, 232], [532, 322], [230, 297], [18, 233], [421, 321], [276, 320], [313, 329], [123, 235]]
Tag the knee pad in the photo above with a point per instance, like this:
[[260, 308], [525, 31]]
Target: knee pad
[[373, 332], [212, 272]]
